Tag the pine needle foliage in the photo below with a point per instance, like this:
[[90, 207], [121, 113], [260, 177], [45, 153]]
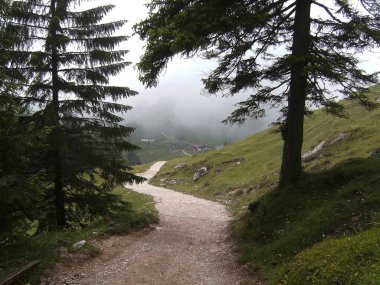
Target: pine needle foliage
[[284, 53], [64, 63], [19, 145]]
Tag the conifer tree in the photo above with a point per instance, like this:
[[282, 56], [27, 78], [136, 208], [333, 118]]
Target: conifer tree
[[279, 51], [64, 63]]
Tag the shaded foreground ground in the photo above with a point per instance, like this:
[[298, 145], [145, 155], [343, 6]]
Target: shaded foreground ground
[[190, 245]]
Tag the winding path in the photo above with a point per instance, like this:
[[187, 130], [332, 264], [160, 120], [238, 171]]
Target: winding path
[[190, 245]]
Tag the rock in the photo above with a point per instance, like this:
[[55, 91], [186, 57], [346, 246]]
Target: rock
[[158, 228], [236, 192], [248, 190], [174, 181], [314, 150], [200, 173], [253, 206], [180, 165], [62, 250], [228, 202], [375, 153], [341, 136], [79, 244]]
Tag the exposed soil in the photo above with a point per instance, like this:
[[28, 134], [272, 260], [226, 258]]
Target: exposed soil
[[190, 245]]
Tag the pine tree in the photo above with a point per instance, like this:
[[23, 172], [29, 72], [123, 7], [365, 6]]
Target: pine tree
[[64, 63], [279, 51]]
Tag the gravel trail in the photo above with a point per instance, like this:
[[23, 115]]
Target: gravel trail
[[190, 245]]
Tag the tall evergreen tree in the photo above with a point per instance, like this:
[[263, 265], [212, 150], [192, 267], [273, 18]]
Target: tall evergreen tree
[[64, 63], [278, 50]]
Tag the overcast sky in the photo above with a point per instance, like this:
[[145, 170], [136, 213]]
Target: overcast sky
[[178, 95]]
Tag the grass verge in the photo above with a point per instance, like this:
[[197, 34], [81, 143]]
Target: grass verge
[[45, 246], [141, 168], [326, 208]]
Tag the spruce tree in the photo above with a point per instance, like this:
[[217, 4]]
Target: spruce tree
[[64, 63], [318, 53]]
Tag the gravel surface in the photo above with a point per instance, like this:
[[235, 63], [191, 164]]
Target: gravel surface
[[190, 245]]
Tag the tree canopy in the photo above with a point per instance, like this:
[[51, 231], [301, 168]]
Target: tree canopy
[[289, 54]]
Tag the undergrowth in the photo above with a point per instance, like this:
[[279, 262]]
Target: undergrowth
[[141, 168], [327, 207], [139, 213]]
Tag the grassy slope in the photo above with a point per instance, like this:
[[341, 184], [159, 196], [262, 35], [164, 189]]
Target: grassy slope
[[325, 229], [165, 147], [140, 213], [141, 168]]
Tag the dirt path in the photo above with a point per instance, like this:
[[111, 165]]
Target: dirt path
[[189, 246]]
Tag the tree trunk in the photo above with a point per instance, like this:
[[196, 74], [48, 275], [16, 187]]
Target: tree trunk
[[59, 195], [291, 167]]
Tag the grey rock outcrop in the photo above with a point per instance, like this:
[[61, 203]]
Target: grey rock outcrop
[[375, 153], [200, 173], [314, 150], [180, 165], [79, 244], [341, 136]]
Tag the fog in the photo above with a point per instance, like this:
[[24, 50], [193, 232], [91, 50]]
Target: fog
[[177, 104]]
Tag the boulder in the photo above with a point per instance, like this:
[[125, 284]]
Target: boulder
[[180, 165], [200, 173], [375, 153], [79, 244], [341, 136], [315, 150]]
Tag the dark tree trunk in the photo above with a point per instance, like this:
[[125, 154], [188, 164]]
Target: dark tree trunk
[[59, 195], [291, 167]]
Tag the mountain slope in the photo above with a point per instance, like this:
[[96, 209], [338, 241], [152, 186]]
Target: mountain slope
[[254, 162], [295, 237]]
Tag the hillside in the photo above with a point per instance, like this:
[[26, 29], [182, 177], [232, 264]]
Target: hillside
[[323, 230], [156, 145]]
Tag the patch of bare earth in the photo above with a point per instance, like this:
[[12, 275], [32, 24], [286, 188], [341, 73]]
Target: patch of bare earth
[[190, 245]]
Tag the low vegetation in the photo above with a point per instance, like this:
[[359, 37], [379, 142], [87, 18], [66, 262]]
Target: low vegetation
[[322, 230], [141, 168], [139, 212], [159, 145]]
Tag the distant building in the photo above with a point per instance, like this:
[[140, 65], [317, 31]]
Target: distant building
[[199, 147], [148, 140]]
